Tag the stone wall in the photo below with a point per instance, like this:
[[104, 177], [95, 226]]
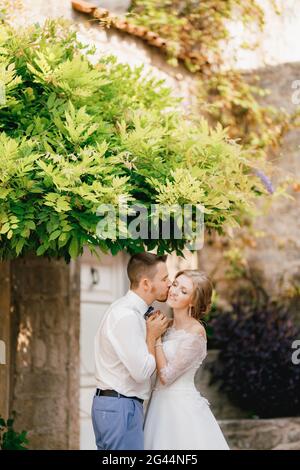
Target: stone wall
[[262, 434], [242, 433], [44, 350], [276, 254]]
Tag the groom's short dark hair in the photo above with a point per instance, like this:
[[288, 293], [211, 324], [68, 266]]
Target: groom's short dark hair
[[142, 264]]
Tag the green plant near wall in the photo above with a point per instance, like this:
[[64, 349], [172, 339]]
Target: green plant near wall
[[9, 438], [76, 134], [197, 31], [196, 26]]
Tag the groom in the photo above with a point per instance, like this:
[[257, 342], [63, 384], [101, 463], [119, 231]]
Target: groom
[[125, 355]]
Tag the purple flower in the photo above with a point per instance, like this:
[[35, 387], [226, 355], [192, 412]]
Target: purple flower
[[265, 180]]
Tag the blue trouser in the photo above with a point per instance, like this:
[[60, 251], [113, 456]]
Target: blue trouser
[[118, 423]]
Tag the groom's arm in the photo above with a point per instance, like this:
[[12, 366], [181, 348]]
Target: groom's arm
[[128, 340]]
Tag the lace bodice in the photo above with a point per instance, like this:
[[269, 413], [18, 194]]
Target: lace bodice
[[184, 353]]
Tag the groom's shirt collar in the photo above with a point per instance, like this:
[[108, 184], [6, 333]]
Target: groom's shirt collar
[[137, 301]]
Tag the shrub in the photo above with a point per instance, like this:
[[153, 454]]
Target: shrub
[[254, 366], [9, 438], [76, 133]]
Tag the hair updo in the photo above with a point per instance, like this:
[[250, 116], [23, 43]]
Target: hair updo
[[202, 293]]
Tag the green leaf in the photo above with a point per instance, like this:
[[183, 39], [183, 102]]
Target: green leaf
[[74, 247], [19, 246], [42, 249], [54, 235], [31, 225], [63, 205], [5, 228]]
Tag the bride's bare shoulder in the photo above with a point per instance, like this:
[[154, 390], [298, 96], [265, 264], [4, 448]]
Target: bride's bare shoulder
[[199, 329]]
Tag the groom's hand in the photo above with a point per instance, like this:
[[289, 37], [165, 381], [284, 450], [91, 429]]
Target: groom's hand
[[155, 313], [157, 324], [158, 312]]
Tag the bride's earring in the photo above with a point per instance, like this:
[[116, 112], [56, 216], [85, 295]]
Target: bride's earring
[[190, 311]]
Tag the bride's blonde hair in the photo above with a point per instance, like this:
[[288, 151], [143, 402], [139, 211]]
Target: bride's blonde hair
[[202, 293]]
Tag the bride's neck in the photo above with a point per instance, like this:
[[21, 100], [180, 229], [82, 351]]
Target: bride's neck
[[181, 318]]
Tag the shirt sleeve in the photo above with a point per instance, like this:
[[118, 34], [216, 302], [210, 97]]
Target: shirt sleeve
[[128, 340], [191, 351]]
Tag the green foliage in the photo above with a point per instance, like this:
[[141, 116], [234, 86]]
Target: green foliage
[[196, 32], [74, 135], [9, 438], [235, 103], [195, 26]]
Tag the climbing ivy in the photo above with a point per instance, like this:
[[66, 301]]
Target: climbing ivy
[[196, 33]]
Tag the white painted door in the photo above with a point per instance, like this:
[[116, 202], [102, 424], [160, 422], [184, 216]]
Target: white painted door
[[102, 281]]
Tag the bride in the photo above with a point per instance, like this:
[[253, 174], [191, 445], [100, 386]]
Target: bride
[[178, 417]]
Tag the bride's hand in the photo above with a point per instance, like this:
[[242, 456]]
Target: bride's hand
[[169, 320]]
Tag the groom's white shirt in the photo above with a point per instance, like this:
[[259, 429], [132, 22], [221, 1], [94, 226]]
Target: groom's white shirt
[[123, 362]]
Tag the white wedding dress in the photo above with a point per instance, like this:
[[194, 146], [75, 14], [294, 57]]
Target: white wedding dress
[[178, 417]]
